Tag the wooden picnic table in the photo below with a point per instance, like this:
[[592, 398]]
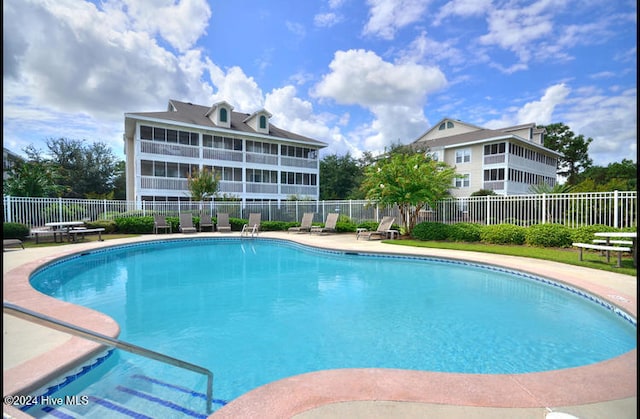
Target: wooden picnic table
[[63, 227]]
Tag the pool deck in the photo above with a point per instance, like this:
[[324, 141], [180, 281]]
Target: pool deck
[[32, 354]]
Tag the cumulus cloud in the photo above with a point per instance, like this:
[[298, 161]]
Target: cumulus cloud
[[394, 93], [387, 17], [541, 111]]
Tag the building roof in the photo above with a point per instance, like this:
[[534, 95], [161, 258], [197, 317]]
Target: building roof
[[481, 135], [187, 113]]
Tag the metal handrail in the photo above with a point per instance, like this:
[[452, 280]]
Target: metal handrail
[[52, 323]]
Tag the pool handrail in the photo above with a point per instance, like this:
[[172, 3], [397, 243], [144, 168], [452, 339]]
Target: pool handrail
[[62, 326]]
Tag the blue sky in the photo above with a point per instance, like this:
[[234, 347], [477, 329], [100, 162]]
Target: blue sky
[[359, 75]]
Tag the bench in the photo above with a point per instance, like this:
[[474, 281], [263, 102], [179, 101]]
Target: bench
[[9, 243], [607, 249], [624, 242], [75, 232], [48, 232]]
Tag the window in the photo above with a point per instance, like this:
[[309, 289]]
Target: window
[[498, 148], [263, 122], [462, 182], [223, 115], [442, 127], [494, 174], [172, 136], [146, 132], [463, 156], [449, 124], [159, 134]]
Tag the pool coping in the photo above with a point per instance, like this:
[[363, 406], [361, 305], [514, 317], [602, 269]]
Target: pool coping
[[613, 379]]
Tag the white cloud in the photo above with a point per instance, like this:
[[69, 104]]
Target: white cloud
[[463, 8], [541, 111], [326, 20], [387, 17]]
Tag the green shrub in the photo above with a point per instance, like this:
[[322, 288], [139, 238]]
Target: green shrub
[[465, 232], [548, 235], [14, 231], [503, 234], [109, 226], [430, 231], [584, 234], [347, 225], [137, 225]]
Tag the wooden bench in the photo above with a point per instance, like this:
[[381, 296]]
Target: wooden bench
[[75, 232], [9, 243], [607, 249]]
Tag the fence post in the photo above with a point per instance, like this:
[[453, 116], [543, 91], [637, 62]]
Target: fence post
[[7, 209], [487, 211], [544, 208], [616, 220], [60, 209]]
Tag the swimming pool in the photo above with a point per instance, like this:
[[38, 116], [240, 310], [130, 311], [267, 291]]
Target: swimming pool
[[237, 315]]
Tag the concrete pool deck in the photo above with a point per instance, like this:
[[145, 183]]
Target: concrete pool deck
[[603, 390]]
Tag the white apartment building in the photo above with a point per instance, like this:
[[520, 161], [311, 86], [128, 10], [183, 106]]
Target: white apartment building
[[254, 160], [507, 161]]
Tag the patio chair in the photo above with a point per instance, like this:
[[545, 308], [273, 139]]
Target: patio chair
[[305, 224], [186, 224], [382, 231], [160, 223], [222, 222], [253, 226], [205, 221], [329, 224]]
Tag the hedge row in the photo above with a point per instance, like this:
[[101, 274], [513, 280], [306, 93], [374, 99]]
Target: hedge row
[[540, 235]]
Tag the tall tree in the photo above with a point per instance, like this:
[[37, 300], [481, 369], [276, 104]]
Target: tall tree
[[621, 176], [85, 170], [574, 149], [340, 177], [410, 181]]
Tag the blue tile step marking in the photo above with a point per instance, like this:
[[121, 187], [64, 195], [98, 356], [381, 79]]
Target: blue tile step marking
[[57, 413], [177, 388], [161, 402], [117, 408]]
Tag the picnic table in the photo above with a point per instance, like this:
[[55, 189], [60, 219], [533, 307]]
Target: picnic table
[[631, 235]]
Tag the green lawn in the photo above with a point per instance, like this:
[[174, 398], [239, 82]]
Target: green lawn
[[591, 259]]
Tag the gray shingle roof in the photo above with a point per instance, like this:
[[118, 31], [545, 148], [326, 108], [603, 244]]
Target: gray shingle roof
[[188, 113]]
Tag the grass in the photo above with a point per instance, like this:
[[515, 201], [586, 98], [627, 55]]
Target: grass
[[591, 259]]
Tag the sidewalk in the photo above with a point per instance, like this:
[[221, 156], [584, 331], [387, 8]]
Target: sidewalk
[[24, 342]]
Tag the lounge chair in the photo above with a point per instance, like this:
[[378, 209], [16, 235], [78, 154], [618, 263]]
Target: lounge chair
[[160, 223], [382, 231], [186, 223], [9, 243], [329, 224], [253, 226], [205, 221], [305, 224], [222, 222]]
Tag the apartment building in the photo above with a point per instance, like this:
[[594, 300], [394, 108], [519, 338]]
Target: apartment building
[[254, 160], [508, 161], [9, 160]]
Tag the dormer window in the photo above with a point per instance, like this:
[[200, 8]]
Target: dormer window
[[224, 117], [445, 125], [263, 122]]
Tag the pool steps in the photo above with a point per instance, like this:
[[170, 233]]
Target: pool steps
[[152, 395]]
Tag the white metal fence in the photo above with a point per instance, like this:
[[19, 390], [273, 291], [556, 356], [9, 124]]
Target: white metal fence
[[615, 209]]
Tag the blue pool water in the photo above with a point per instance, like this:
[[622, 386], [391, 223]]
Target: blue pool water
[[257, 310]]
